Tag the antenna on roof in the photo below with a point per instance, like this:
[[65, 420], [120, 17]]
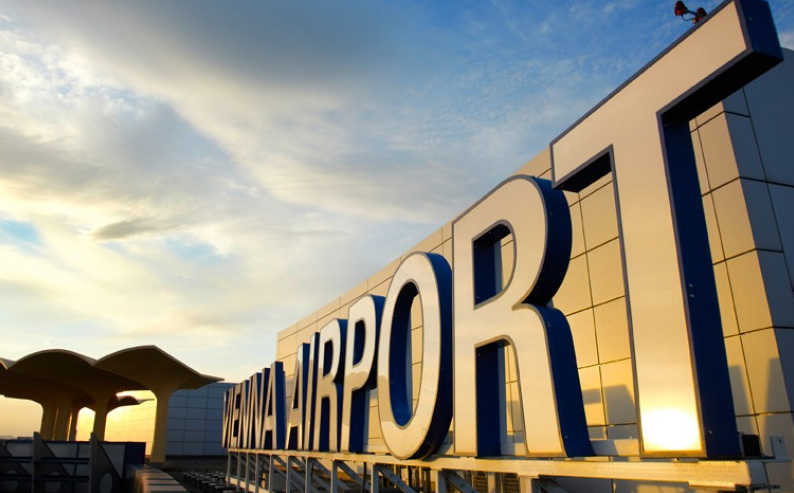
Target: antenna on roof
[[682, 11]]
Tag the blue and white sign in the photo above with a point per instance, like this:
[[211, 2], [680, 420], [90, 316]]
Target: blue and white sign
[[640, 133]]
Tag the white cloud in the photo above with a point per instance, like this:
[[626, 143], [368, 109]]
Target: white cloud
[[214, 172], [222, 172], [787, 39]]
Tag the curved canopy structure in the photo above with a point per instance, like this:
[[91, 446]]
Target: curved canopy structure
[[63, 382], [162, 374], [154, 368], [54, 397], [68, 367]]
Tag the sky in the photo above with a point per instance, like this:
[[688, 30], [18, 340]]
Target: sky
[[199, 175]]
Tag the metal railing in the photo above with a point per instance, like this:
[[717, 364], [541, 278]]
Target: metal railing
[[40, 466], [277, 471]]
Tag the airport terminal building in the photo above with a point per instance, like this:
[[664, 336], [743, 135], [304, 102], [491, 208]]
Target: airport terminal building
[[155, 399], [193, 426], [617, 316]]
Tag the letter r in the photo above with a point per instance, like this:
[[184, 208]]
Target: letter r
[[539, 336]]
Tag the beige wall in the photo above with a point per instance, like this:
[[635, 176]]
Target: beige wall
[[747, 179], [745, 155]]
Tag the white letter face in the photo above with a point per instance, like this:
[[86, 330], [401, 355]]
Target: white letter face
[[364, 318], [311, 382], [275, 422], [229, 398], [641, 131], [539, 336], [296, 414], [238, 414], [328, 404], [257, 385], [416, 434]]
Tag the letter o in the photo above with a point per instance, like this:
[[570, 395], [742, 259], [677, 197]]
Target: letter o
[[409, 434]]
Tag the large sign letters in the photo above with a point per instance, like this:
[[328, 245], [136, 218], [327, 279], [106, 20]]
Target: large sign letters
[[641, 134], [474, 312], [488, 317]]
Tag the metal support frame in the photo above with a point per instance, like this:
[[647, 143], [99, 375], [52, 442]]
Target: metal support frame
[[458, 482], [40, 466], [549, 485], [273, 470], [494, 482], [334, 483], [262, 472], [290, 474], [367, 485], [250, 470], [301, 468], [395, 479], [269, 477]]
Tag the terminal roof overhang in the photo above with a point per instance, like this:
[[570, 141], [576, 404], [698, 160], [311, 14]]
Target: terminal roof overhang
[[160, 368], [58, 375], [23, 386]]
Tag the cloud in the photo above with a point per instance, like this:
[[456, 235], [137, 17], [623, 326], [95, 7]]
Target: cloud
[[213, 171], [258, 89], [128, 228], [349, 110], [356, 112], [787, 39], [180, 169]]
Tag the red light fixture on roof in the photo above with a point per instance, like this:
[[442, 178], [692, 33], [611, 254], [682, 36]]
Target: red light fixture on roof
[[682, 11]]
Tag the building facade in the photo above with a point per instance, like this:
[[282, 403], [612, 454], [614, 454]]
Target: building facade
[[193, 427], [662, 352]]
